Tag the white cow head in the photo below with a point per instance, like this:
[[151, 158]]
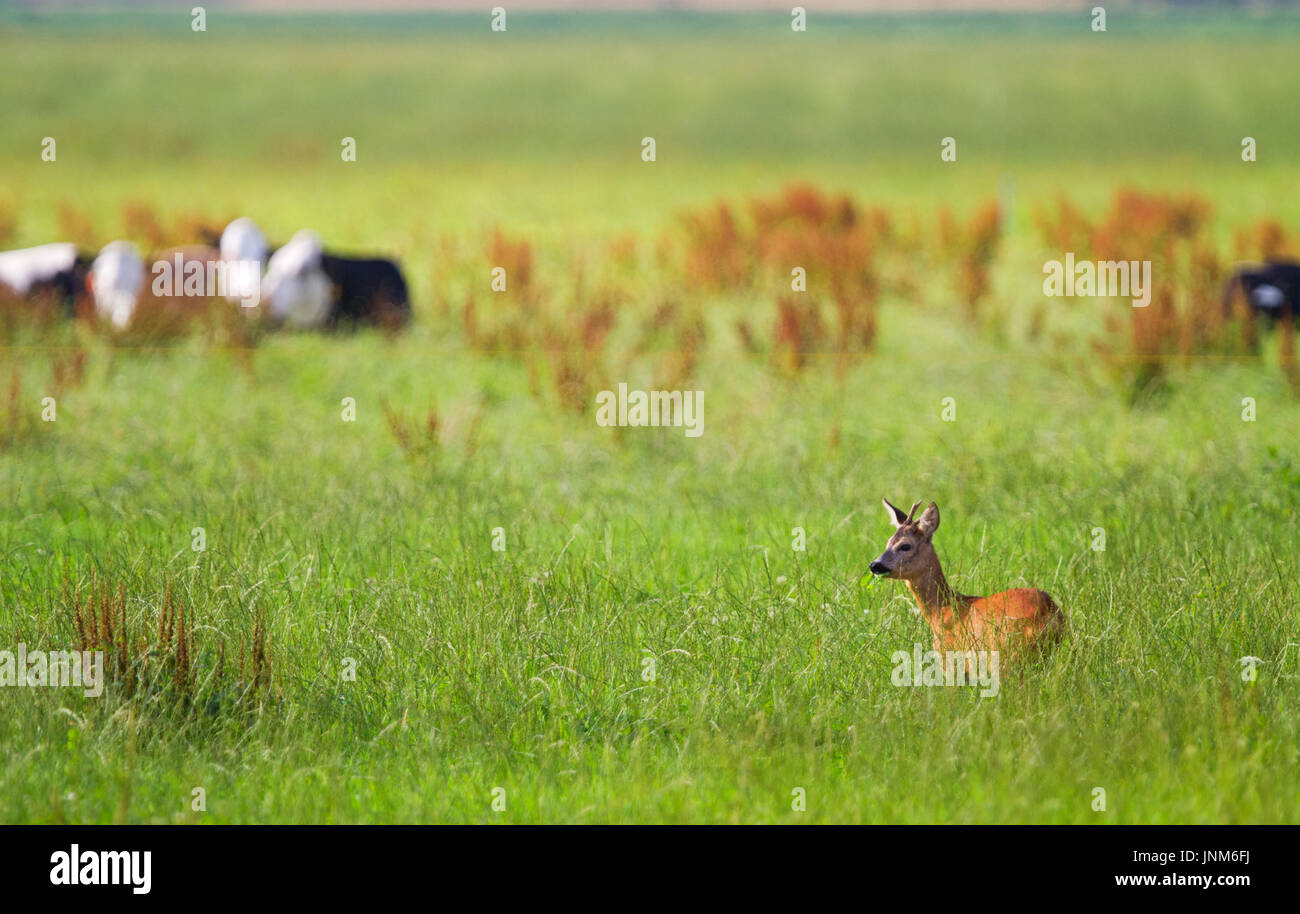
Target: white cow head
[[116, 280], [243, 249], [296, 288], [243, 240]]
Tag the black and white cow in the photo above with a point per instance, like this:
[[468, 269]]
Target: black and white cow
[[307, 288], [48, 272], [1272, 289]]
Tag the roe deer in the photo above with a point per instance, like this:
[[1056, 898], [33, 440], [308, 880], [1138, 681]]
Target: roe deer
[[1008, 622]]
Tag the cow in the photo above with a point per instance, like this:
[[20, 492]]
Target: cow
[[307, 288], [162, 295], [53, 273], [1272, 290]]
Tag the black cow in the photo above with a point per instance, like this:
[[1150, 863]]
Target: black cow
[[1272, 290], [305, 287], [366, 291]]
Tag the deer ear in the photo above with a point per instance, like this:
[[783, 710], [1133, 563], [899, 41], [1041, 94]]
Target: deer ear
[[896, 515], [929, 521]]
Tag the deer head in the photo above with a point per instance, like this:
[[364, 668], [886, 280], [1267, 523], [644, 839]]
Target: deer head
[[909, 553]]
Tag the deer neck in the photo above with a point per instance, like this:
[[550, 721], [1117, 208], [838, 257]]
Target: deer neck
[[930, 590]]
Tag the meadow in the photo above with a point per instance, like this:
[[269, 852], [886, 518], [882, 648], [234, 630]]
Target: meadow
[[648, 646]]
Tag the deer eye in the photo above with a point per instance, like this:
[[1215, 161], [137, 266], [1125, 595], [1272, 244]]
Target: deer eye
[[904, 547]]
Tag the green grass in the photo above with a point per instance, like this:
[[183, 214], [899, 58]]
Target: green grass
[[523, 669]]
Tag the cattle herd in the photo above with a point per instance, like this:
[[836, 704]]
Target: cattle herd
[[298, 285]]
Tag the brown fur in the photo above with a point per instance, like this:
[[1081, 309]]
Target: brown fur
[[165, 316], [1011, 622], [171, 315]]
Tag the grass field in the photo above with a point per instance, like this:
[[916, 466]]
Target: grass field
[[332, 547]]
